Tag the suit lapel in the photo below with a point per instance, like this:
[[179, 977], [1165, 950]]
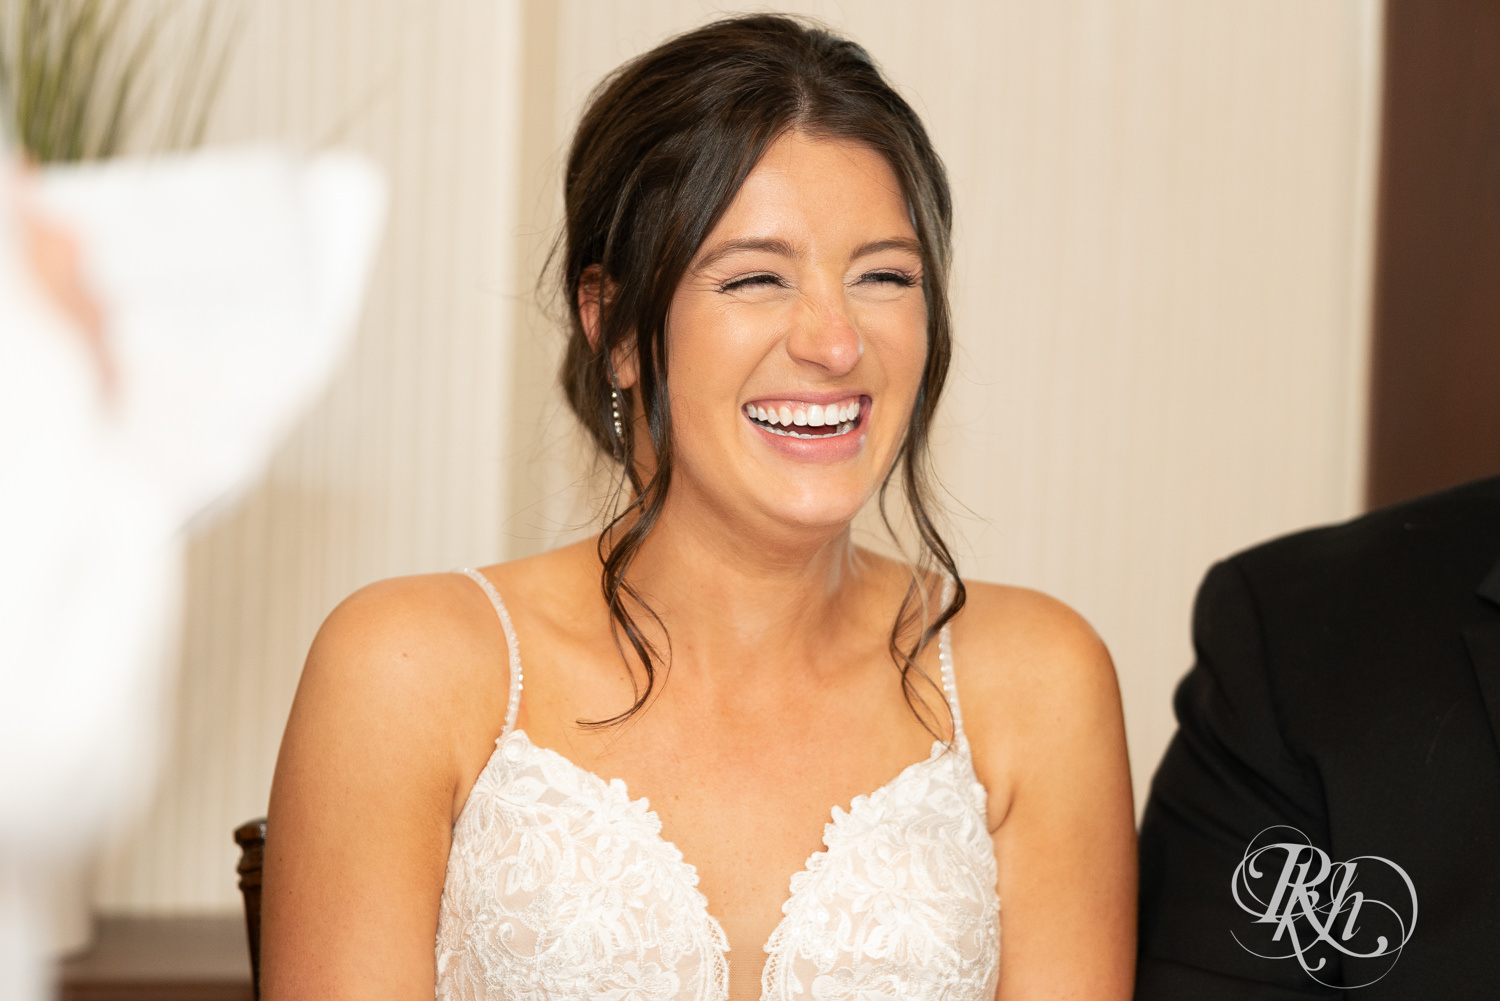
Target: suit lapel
[[1483, 640]]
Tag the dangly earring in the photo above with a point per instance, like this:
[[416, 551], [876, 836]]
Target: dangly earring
[[614, 412]]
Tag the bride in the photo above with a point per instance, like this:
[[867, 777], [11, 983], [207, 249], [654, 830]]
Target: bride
[[719, 751]]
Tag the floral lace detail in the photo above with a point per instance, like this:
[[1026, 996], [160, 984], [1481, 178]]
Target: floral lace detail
[[902, 902], [560, 887]]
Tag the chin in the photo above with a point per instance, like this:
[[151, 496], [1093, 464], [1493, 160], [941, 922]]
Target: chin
[[820, 516]]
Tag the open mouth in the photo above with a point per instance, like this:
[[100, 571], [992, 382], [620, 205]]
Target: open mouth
[[801, 420]]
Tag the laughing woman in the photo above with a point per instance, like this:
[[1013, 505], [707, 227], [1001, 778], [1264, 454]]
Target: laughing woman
[[750, 759]]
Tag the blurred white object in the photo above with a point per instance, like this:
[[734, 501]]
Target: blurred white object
[[229, 283]]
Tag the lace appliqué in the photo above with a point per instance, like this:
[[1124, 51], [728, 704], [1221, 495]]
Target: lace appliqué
[[902, 902], [560, 886]]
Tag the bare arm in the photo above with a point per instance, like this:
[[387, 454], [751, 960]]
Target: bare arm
[[363, 799], [1042, 709]]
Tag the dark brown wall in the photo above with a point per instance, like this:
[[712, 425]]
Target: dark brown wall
[[1435, 391]]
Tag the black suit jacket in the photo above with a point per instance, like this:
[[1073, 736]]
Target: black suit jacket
[[1347, 684]]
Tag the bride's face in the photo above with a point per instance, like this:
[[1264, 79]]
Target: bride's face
[[796, 340]]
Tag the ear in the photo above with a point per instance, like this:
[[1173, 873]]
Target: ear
[[626, 363], [588, 303], [592, 287]]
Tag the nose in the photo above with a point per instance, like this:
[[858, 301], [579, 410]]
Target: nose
[[825, 335]]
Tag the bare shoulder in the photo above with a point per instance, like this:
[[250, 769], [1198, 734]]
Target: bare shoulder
[[426, 657], [992, 610], [1037, 684], [1026, 644], [407, 641], [399, 686]]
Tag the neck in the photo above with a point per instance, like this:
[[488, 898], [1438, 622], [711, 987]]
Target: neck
[[734, 600]]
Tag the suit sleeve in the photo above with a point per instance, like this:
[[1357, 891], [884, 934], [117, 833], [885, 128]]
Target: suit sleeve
[[1228, 774]]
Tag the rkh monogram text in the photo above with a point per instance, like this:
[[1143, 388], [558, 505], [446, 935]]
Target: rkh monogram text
[[1343, 933]]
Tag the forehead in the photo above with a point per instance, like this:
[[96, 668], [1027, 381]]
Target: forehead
[[810, 185]]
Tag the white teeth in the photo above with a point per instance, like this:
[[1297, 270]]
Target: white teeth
[[813, 416]]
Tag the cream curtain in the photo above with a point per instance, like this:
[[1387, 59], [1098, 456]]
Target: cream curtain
[[1164, 219]]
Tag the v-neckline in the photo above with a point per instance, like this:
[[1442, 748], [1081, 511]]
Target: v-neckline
[[798, 880], [642, 805]]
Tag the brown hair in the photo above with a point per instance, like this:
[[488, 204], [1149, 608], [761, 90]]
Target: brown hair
[[663, 147]]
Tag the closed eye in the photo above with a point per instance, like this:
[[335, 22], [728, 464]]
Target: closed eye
[[898, 278], [752, 281]]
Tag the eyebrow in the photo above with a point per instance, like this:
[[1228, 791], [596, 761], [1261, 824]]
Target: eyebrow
[[723, 250], [783, 248], [897, 243]]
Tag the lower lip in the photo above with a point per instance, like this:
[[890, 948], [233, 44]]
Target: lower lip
[[826, 449]]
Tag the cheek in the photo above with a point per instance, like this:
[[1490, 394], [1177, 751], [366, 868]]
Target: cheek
[[903, 346], [687, 338], [708, 359]]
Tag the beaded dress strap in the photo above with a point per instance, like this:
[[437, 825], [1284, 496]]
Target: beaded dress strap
[[514, 705], [945, 661]]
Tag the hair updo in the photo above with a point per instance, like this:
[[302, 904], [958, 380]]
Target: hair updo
[[664, 145]]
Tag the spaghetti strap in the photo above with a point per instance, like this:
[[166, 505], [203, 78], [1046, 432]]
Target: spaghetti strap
[[945, 661], [514, 705]]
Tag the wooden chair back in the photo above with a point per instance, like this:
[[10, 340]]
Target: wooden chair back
[[251, 837]]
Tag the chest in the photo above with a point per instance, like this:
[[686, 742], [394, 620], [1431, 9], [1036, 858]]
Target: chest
[[560, 876], [744, 789]]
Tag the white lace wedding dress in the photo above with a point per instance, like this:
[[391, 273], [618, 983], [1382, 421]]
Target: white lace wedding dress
[[560, 887]]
